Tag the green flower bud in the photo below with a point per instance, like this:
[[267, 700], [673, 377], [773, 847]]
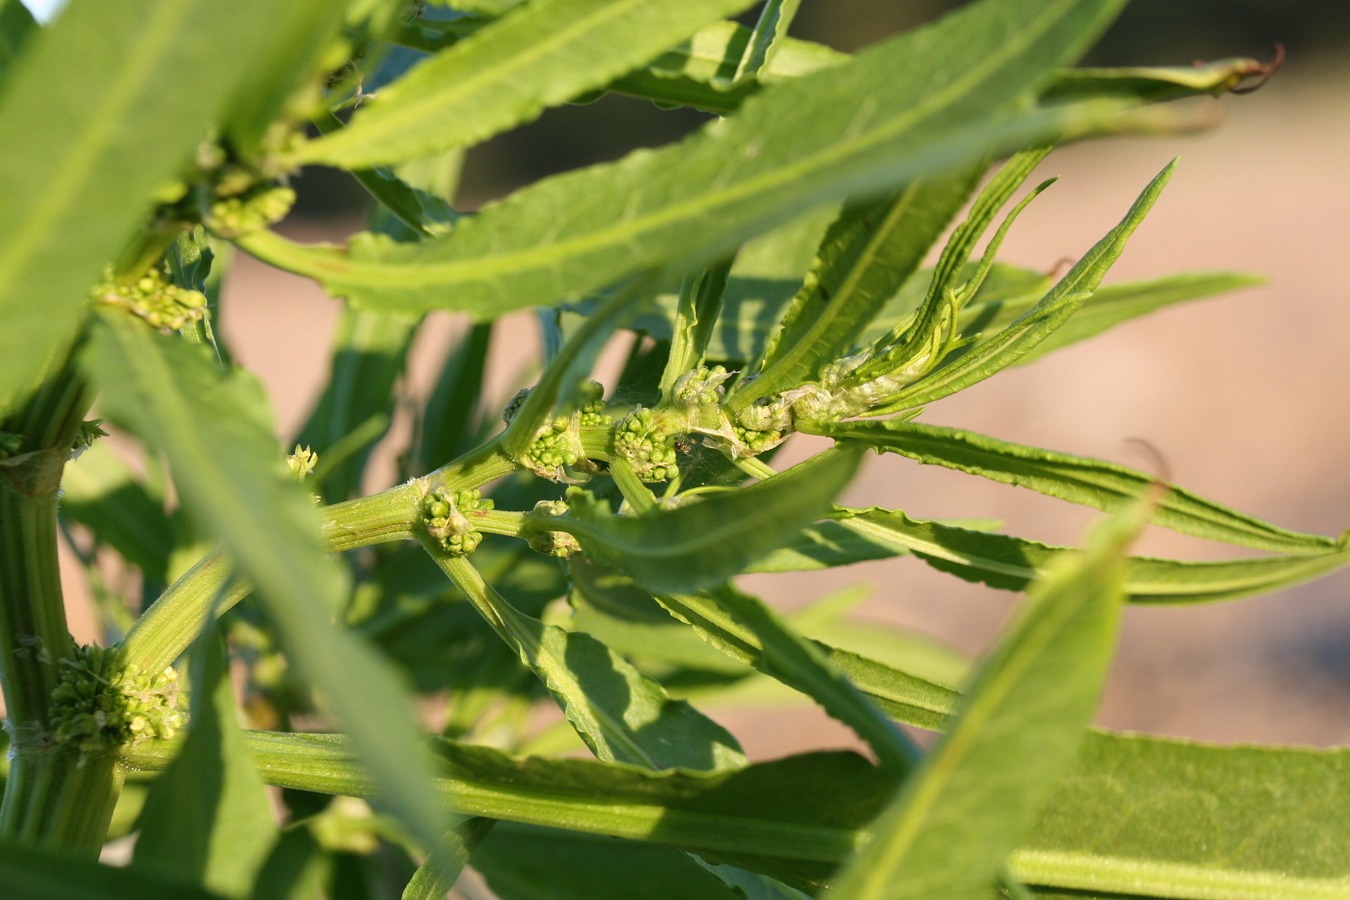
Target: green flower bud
[[100, 703]]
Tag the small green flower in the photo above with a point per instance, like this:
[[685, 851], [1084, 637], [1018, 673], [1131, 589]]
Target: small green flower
[[155, 299], [254, 210], [301, 463]]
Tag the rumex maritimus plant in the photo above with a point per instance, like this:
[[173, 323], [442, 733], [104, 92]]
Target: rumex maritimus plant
[[769, 272]]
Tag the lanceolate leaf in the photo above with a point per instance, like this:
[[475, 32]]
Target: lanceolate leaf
[[227, 469], [868, 253], [622, 715], [507, 73], [975, 795], [936, 98], [1155, 83], [90, 133], [706, 541], [1090, 482], [1010, 563], [1040, 321], [1107, 307]]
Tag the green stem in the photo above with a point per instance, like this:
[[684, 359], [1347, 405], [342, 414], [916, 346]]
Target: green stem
[[167, 628], [56, 798]]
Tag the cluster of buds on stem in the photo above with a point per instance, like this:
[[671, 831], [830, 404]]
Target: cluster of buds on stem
[[102, 703], [553, 543], [155, 299], [448, 517]]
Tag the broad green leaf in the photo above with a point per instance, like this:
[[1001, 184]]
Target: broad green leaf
[[507, 73], [369, 350], [1108, 306], [1040, 321], [526, 863], [40, 873], [1010, 563], [867, 254], [707, 540], [937, 98], [622, 715], [99, 491], [1168, 818], [906, 698], [227, 469], [208, 820], [1015, 735], [1089, 482], [91, 132]]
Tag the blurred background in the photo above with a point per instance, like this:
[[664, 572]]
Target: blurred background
[[1244, 396]]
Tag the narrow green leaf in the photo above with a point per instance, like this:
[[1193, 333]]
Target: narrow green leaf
[[622, 715], [696, 315], [1010, 563], [443, 865], [936, 99], [99, 491], [1077, 479], [1108, 306], [976, 794], [368, 354], [40, 873], [207, 819], [297, 869], [1062, 301], [227, 469], [868, 253], [1168, 818], [700, 72], [907, 698], [507, 73], [800, 664], [447, 423], [91, 133], [566, 370], [709, 539], [1157, 83], [767, 37]]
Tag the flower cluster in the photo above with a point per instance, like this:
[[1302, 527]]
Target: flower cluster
[[155, 299], [646, 445], [102, 703], [445, 515]]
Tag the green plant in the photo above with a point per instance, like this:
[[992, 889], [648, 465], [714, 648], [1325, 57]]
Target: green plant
[[769, 274]]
